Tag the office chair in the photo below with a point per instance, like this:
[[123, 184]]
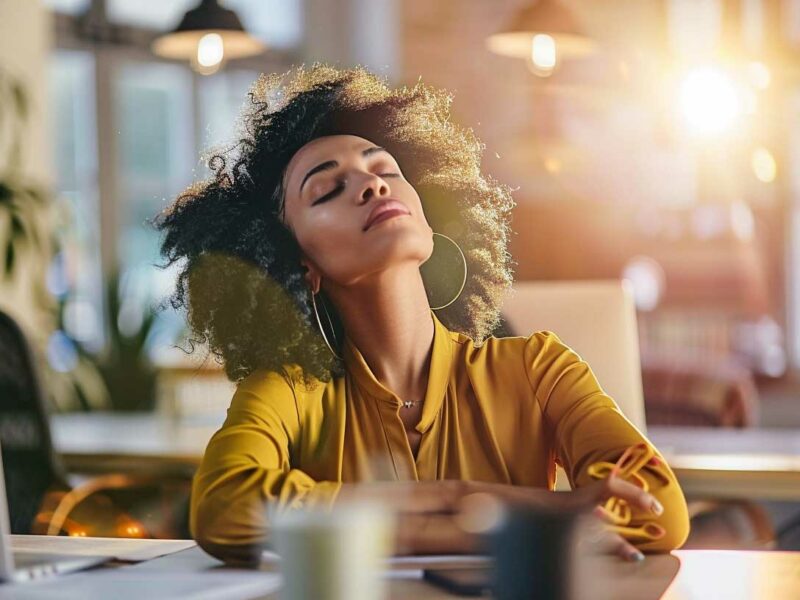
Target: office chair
[[586, 316], [31, 465], [597, 319]]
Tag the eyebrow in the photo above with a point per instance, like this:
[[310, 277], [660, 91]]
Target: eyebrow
[[331, 164]]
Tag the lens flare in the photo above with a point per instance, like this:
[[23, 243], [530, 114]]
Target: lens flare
[[763, 164], [710, 100]]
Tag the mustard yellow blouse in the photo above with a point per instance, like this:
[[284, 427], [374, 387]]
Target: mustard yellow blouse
[[507, 412]]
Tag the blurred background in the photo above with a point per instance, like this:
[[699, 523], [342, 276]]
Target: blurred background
[[651, 141]]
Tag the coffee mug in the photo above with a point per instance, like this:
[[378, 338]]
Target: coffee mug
[[535, 552], [338, 554]]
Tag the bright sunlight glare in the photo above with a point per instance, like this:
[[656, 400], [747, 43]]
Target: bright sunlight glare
[[709, 100]]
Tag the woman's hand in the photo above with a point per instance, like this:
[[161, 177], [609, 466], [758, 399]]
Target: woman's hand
[[600, 491], [429, 511], [584, 499]]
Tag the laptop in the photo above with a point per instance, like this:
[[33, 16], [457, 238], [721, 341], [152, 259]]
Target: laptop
[[25, 566]]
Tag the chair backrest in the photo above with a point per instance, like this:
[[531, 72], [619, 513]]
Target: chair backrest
[[597, 319], [31, 466]]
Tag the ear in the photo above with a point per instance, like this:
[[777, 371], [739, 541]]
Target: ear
[[312, 275]]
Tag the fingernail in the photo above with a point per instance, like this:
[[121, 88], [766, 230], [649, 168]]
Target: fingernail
[[656, 507], [655, 462], [635, 556]]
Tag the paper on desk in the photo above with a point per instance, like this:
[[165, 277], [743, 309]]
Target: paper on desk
[[123, 549], [439, 561], [413, 563], [126, 583]]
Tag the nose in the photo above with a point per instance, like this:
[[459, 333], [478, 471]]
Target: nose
[[374, 186]]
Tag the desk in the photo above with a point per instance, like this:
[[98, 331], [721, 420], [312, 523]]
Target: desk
[[751, 464], [709, 462], [701, 574]]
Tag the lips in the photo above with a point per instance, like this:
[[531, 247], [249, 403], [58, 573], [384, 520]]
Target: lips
[[386, 209]]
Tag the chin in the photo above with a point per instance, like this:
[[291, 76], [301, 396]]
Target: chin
[[395, 246], [403, 241]]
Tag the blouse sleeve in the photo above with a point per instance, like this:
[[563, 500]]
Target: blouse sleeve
[[586, 426], [246, 469]]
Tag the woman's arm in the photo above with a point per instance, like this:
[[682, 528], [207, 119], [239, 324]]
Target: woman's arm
[[587, 426], [246, 467], [431, 514]]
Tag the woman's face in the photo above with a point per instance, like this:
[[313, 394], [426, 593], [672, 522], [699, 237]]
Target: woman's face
[[352, 211]]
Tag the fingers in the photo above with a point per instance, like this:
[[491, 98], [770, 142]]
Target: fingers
[[624, 549], [633, 495], [597, 539], [601, 514]]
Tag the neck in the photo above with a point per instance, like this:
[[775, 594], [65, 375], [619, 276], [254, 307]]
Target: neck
[[388, 319]]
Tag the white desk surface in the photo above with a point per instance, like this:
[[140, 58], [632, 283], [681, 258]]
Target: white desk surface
[[709, 462], [701, 574]]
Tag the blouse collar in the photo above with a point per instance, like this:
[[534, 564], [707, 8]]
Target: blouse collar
[[438, 375]]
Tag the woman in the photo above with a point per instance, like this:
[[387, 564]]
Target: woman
[[301, 269]]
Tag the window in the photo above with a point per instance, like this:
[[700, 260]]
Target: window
[[67, 7], [162, 117], [156, 155], [76, 272], [221, 100]]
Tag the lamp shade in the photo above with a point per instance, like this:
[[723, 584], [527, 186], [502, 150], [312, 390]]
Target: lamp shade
[[545, 17], [207, 18]]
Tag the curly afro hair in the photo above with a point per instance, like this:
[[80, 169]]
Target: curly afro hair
[[240, 278]]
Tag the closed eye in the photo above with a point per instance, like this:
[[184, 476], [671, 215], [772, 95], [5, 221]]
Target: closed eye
[[340, 186]]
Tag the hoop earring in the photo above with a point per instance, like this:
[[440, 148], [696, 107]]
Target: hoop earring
[[321, 328], [445, 268]]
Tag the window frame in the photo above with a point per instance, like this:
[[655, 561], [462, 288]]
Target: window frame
[[112, 45]]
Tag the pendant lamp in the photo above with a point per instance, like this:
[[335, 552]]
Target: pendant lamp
[[543, 33], [207, 36]]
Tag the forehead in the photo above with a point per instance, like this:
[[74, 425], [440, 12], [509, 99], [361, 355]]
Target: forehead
[[322, 149]]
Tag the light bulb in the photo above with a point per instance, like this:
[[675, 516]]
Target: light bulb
[[210, 51], [543, 54]]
